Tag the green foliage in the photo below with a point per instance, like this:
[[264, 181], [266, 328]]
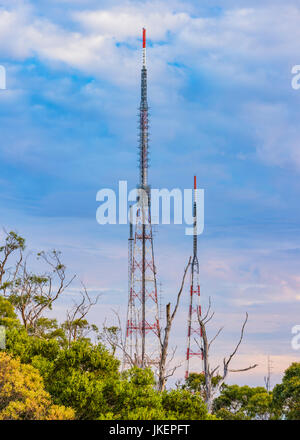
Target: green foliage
[[53, 371], [73, 376], [287, 394], [8, 317], [49, 329], [184, 405], [133, 397], [76, 329], [31, 294], [195, 382], [30, 349], [13, 242], [22, 394], [76, 372], [86, 377], [243, 403]]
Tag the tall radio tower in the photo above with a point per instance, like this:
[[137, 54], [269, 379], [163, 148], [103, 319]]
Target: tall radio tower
[[194, 350], [142, 327]]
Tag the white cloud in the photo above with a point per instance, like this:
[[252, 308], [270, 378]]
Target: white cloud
[[265, 38], [125, 22], [277, 133], [247, 33]]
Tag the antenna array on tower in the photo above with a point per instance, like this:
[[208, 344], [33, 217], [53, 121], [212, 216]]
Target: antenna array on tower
[[142, 327]]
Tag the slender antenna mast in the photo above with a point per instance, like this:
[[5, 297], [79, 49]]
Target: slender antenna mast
[[144, 122], [142, 343], [267, 378], [194, 330]]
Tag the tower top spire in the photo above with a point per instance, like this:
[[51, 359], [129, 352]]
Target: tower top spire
[[144, 47], [143, 137]]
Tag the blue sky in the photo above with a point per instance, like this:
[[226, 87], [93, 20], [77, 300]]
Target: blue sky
[[222, 107]]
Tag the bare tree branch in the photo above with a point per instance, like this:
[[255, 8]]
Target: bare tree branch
[[244, 369], [227, 362], [76, 326], [215, 337], [116, 340], [209, 373]]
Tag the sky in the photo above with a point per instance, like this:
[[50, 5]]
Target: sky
[[221, 107]]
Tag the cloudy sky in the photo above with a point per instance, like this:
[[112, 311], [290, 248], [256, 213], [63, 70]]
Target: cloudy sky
[[222, 107]]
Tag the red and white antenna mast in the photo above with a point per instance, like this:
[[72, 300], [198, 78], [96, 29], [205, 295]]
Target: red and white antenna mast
[[194, 351], [142, 329], [144, 47]]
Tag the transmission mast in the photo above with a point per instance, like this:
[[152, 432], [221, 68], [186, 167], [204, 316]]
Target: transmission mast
[[267, 378], [142, 328], [194, 351]]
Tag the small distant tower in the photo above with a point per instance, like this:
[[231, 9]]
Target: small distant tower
[[142, 327], [194, 351], [268, 377]]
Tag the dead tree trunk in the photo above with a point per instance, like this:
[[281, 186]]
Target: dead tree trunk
[[210, 390], [164, 339]]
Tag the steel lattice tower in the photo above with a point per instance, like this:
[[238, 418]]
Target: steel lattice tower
[[142, 327], [194, 349]]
